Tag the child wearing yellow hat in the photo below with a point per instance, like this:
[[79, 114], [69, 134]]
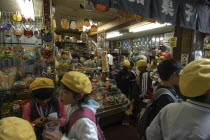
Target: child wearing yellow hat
[[75, 90], [44, 105], [13, 128], [187, 120]]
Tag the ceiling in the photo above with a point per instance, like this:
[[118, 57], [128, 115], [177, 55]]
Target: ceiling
[[71, 10], [12, 6]]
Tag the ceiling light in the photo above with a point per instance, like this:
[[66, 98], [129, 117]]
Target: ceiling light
[[27, 8], [113, 34], [148, 27]]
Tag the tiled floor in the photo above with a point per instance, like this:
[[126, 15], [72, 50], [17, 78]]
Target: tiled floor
[[119, 132]]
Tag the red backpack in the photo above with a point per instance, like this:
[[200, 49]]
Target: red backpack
[[85, 113]]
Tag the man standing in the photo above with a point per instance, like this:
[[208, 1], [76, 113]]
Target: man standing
[[187, 120]]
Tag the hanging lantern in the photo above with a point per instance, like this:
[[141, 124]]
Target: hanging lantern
[[139, 18], [125, 14], [151, 19], [101, 8]]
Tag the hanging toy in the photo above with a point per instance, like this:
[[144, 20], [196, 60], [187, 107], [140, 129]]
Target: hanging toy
[[86, 22], [80, 25], [37, 34], [48, 72], [28, 32], [73, 25], [46, 53], [65, 24], [93, 28], [46, 35], [84, 37], [17, 17], [17, 31]]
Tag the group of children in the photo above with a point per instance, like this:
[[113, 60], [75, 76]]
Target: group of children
[[45, 107]]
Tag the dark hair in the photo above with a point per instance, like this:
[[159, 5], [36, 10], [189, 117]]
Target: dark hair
[[201, 98], [84, 99], [131, 64], [167, 67], [43, 93]]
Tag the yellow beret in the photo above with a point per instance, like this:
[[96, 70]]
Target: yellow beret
[[141, 63], [195, 78], [13, 128], [126, 63], [77, 82], [42, 83]]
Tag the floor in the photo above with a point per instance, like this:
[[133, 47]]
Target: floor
[[120, 132]]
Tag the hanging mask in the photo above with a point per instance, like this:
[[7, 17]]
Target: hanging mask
[[6, 26], [46, 53], [28, 32], [48, 72], [46, 35], [17, 32], [17, 17], [65, 24], [37, 34]]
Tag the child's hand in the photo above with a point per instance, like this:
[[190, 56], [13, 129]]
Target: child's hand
[[57, 135], [39, 122]]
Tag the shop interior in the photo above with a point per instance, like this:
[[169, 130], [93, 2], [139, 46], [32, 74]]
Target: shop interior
[[47, 38]]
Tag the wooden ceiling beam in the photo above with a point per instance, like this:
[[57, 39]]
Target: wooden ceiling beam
[[110, 25]]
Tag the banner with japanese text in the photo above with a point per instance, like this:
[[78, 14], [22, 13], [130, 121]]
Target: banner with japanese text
[[188, 10], [165, 10], [204, 18], [138, 7]]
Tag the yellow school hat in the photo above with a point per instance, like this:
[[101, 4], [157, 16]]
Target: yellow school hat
[[141, 63], [126, 63], [13, 128], [195, 78], [77, 82], [42, 83]]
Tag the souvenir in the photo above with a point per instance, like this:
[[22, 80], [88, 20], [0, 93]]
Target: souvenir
[[17, 32], [46, 53], [65, 24], [73, 25], [93, 28], [86, 22], [17, 17], [80, 25], [18, 52], [37, 34], [6, 26], [48, 72], [46, 35], [84, 37], [28, 32]]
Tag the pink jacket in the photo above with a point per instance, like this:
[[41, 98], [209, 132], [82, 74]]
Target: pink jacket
[[61, 111]]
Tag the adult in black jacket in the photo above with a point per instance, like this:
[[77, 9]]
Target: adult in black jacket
[[123, 78]]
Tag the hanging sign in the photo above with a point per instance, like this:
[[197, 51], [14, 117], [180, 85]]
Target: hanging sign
[[188, 10], [184, 59], [173, 41], [138, 7], [165, 10], [204, 18]]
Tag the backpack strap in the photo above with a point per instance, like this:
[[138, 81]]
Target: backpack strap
[[163, 91], [81, 113]]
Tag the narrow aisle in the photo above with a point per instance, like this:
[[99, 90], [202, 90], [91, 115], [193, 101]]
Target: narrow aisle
[[120, 132]]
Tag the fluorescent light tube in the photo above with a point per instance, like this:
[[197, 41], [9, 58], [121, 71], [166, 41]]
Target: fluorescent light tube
[[113, 34], [148, 27], [27, 8]]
